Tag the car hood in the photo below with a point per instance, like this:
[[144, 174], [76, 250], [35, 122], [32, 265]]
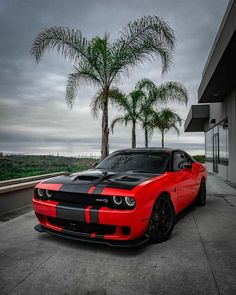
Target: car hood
[[82, 182]]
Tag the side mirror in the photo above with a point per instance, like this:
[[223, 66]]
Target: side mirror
[[187, 166]]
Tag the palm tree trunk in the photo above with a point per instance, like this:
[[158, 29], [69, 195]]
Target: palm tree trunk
[[162, 139], [105, 129], [134, 135], [146, 137]]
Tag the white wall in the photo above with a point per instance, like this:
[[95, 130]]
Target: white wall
[[209, 167]]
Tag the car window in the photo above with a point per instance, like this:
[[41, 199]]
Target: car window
[[136, 161], [178, 160], [188, 159]]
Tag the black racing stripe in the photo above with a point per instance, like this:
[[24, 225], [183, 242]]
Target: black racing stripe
[[58, 179], [71, 212], [122, 186], [76, 188], [94, 214], [99, 188]]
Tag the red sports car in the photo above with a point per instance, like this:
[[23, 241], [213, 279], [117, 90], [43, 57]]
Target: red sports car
[[132, 196]]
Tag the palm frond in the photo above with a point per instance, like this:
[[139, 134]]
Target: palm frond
[[116, 121], [142, 40], [114, 95], [165, 120], [172, 91], [81, 76], [67, 41]]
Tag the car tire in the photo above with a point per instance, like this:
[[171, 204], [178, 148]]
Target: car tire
[[162, 220], [201, 196]]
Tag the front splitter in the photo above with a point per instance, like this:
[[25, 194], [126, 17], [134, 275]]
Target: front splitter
[[84, 238]]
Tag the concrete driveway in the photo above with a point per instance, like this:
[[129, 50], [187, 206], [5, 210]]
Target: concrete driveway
[[200, 257]]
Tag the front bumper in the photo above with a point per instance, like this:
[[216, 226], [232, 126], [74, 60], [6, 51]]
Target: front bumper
[[91, 223], [78, 237]]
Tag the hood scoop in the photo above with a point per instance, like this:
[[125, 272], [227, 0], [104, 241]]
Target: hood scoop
[[128, 179], [87, 177]]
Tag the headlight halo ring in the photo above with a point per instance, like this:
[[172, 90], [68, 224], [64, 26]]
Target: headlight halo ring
[[40, 192], [49, 193], [117, 200], [130, 201]]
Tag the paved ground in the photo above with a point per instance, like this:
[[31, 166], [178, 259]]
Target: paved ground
[[200, 257]]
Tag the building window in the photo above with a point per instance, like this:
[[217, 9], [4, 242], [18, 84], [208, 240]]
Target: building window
[[223, 143], [209, 145]]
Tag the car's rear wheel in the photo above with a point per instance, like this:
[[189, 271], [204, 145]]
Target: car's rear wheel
[[162, 220], [201, 197]]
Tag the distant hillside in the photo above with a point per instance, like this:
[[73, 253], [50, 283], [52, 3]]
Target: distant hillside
[[16, 166]]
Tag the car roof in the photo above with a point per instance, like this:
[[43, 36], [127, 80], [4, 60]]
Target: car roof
[[156, 149], [153, 149]]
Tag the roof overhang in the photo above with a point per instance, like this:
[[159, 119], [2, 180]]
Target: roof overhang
[[196, 118], [219, 73]]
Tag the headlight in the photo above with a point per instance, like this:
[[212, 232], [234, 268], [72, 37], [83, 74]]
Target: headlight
[[48, 194], [117, 200], [40, 192], [130, 201]]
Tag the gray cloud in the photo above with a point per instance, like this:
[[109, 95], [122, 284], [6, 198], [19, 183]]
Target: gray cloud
[[33, 115]]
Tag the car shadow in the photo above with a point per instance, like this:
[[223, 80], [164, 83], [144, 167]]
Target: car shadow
[[184, 213], [88, 246]]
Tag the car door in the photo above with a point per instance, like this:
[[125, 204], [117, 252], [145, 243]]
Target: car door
[[184, 180], [193, 185]]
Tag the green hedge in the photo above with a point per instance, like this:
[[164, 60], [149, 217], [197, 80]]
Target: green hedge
[[16, 166], [200, 158]]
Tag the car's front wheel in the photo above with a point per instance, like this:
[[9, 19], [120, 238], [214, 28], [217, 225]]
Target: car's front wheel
[[162, 220]]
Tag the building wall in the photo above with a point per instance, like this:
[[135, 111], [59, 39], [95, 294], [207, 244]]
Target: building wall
[[220, 112], [231, 110]]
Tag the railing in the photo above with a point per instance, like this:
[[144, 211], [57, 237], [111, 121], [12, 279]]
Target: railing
[[25, 182]]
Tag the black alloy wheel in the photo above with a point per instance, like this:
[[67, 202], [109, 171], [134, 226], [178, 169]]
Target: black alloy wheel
[[201, 197], [162, 220]]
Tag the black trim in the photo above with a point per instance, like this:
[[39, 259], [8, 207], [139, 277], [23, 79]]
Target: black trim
[[94, 214], [71, 212]]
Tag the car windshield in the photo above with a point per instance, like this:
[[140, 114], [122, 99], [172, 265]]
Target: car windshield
[[152, 162]]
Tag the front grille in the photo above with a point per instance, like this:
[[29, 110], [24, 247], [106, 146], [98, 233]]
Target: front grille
[[83, 227], [83, 199]]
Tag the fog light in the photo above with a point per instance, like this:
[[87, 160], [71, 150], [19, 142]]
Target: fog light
[[48, 194], [40, 192], [126, 230], [117, 200], [130, 201]]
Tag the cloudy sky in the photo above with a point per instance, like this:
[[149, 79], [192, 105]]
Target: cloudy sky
[[34, 118]]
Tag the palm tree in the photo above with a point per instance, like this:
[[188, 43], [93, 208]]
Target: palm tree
[[156, 95], [145, 119], [148, 89], [165, 120], [101, 62], [131, 106]]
